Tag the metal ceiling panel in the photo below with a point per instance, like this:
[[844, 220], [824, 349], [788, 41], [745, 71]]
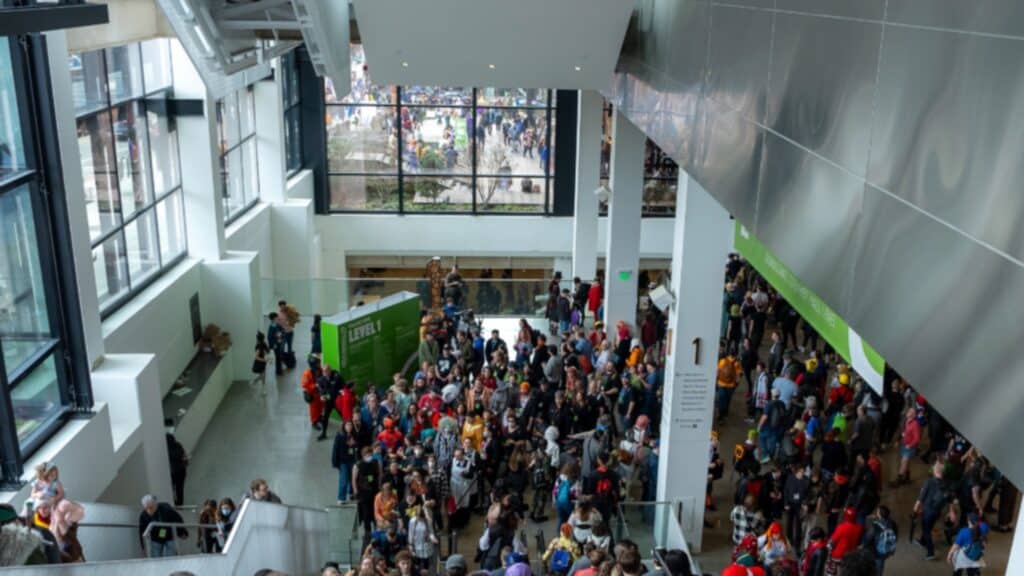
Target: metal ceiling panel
[[569, 44]]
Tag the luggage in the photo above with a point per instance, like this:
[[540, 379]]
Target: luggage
[[289, 359]]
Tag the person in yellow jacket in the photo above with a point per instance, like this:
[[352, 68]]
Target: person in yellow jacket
[[729, 370], [636, 354], [473, 430], [565, 542]]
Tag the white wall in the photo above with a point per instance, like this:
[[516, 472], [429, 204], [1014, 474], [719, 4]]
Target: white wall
[[252, 233], [158, 322], [430, 235]]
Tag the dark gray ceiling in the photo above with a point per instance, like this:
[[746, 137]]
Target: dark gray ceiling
[[877, 147]]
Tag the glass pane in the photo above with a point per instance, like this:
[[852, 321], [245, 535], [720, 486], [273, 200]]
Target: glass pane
[[36, 398], [88, 83], [657, 164], [12, 146], [252, 171], [96, 148], [510, 141], [437, 96], [436, 140], [227, 121], [171, 223], [156, 64], [364, 193], [24, 322], [142, 247], [124, 71], [234, 188], [110, 264], [547, 156], [132, 157], [290, 79], [430, 194], [361, 139], [163, 145], [363, 89], [246, 113], [293, 138], [510, 194], [660, 197], [512, 97]]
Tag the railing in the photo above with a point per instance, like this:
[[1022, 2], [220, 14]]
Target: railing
[[654, 526], [492, 297], [290, 539]]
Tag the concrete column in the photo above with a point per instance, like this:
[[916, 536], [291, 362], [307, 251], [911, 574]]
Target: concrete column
[[270, 140], [200, 160], [700, 245], [622, 254], [74, 190], [1015, 565], [588, 178]]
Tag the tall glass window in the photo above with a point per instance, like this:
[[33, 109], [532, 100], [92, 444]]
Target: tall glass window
[[661, 174], [438, 148], [35, 386], [129, 150], [239, 169], [292, 106]]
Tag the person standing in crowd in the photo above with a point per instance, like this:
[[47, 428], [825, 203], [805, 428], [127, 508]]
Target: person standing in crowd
[[260, 491], [909, 440], [880, 537], [729, 371], [595, 298], [275, 339], [156, 530], [928, 507], [316, 346], [344, 454], [366, 478]]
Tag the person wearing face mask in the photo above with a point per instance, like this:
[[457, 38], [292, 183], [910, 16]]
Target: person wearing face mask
[[225, 522]]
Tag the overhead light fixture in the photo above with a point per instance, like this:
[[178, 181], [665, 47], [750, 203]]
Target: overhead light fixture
[[603, 193], [405, 64], [578, 68], [491, 66]]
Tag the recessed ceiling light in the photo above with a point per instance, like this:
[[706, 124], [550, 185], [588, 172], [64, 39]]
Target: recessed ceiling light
[[491, 66], [578, 68], [405, 64]]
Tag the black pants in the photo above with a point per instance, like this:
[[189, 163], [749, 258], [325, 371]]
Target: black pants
[[325, 416], [541, 496], [795, 528], [279, 360], [178, 486], [366, 513]]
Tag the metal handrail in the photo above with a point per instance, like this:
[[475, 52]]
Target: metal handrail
[[148, 528]]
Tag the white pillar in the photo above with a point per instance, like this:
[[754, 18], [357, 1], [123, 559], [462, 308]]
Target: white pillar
[[270, 151], [74, 191], [622, 254], [588, 178], [700, 246], [200, 160], [1015, 565]]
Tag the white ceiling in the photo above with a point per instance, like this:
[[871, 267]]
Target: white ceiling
[[529, 43]]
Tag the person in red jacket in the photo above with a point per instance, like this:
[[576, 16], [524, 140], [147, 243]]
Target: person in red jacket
[[390, 435], [595, 297], [846, 536], [346, 402], [310, 392]]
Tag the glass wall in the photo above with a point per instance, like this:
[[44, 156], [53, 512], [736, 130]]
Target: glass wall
[[239, 169], [132, 176], [438, 149], [292, 105], [34, 381], [661, 174]]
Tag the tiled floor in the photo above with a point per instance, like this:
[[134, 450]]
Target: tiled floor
[[252, 436]]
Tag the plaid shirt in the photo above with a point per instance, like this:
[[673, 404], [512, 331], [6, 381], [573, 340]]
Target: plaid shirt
[[744, 522]]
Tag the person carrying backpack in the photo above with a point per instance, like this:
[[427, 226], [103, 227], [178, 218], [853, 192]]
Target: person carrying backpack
[[969, 547], [562, 552], [562, 494], [772, 426], [602, 485], [880, 537]]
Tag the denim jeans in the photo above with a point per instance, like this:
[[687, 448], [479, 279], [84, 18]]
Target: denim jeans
[[769, 442], [163, 549], [927, 523], [344, 481], [723, 397]]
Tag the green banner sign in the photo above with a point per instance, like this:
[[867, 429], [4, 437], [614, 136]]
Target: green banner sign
[[846, 342], [370, 343]]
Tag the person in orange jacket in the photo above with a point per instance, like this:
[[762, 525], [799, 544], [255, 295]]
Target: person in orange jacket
[[311, 394]]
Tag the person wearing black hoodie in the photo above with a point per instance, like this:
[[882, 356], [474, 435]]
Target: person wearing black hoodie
[[795, 495]]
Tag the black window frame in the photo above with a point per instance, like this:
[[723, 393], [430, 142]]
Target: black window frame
[[225, 152], [549, 175], [147, 101], [291, 100], [42, 178]]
